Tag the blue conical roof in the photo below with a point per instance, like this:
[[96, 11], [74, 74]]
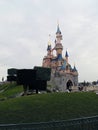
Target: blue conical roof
[[58, 30], [66, 55], [63, 67], [74, 68], [49, 48], [59, 57]]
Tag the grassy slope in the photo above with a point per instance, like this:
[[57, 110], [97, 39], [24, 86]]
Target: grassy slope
[[9, 90], [48, 107]]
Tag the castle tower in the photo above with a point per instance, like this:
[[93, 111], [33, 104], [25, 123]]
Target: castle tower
[[47, 58], [49, 49], [58, 44]]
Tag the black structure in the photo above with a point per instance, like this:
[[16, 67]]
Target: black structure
[[26, 76], [31, 79], [12, 74]]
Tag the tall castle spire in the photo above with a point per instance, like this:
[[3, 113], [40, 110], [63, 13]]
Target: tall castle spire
[[58, 30], [58, 34], [58, 44]]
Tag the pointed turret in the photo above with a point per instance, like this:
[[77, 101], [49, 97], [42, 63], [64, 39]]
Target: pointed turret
[[66, 56], [58, 34], [58, 30], [74, 69], [58, 44], [49, 47]]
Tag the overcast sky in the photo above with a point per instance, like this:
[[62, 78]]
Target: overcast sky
[[25, 26]]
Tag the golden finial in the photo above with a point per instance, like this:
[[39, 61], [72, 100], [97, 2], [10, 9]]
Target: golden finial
[[49, 42]]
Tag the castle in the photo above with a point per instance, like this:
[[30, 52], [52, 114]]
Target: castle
[[63, 76]]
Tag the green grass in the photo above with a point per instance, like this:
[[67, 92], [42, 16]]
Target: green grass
[[9, 90], [48, 107]]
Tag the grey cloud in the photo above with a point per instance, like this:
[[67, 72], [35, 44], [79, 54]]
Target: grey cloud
[[25, 26]]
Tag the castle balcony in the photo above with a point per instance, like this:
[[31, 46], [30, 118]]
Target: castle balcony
[[58, 46]]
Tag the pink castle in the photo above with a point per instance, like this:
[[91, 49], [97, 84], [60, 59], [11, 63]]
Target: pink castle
[[63, 76]]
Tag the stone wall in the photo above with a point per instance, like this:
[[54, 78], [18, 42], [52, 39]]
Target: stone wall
[[59, 83]]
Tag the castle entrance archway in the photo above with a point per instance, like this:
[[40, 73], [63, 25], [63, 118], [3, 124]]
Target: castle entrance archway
[[69, 85]]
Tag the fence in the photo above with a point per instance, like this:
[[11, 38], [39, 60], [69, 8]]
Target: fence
[[87, 123]]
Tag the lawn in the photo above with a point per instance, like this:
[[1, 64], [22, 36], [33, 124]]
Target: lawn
[[48, 107]]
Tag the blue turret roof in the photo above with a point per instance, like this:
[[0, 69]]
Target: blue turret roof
[[55, 41], [49, 48], [66, 55], [59, 57], [74, 69], [58, 30], [63, 67]]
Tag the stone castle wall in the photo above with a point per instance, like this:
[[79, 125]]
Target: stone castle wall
[[59, 83]]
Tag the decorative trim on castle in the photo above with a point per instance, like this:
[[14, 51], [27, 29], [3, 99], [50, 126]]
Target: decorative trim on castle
[[63, 76]]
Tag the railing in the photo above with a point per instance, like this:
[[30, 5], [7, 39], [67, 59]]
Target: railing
[[86, 123]]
